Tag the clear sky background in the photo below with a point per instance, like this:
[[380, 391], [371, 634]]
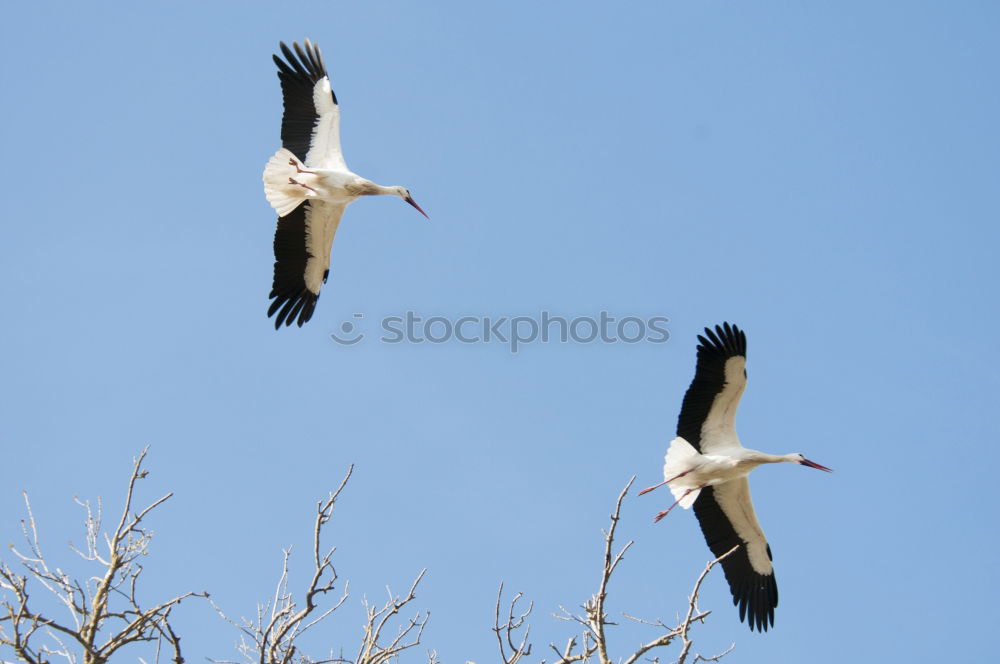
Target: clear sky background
[[823, 174]]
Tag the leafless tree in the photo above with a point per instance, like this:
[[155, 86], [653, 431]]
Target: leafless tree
[[591, 643], [272, 636], [102, 614]]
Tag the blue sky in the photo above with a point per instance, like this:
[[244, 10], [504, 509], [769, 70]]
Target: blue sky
[[824, 175]]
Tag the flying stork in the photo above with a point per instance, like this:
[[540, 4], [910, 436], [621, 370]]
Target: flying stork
[[707, 467], [308, 184]]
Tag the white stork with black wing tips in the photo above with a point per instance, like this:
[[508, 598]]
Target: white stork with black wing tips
[[707, 467], [308, 184]]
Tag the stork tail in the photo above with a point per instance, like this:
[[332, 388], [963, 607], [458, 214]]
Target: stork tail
[[281, 188], [681, 458]]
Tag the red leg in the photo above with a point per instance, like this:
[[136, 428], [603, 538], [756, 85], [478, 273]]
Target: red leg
[[676, 477], [665, 512], [298, 167], [294, 181], [655, 486]]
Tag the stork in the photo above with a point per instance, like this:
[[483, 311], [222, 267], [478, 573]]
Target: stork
[[308, 184], [707, 467]]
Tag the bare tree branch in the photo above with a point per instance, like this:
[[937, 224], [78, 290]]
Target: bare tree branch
[[596, 616], [105, 614], [592, 641], [272, 637], [694, 614], [373, 653], [714, 658], [506, 633]]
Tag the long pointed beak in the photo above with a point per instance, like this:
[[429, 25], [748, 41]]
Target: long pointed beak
[[813, 464], [409, 199]]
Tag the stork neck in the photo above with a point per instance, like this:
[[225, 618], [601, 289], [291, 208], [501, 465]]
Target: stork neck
[[372, 189], [760, 458]]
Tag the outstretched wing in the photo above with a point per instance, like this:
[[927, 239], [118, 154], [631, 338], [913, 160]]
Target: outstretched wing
[[310, 126], [708, 412], [727, 519], [302, 245]]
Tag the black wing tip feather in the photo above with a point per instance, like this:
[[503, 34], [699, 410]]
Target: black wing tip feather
[[301, 61], [293, 307], [726, 340], [756, 598]]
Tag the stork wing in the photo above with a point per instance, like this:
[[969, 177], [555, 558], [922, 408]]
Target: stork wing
[[708, 412], [310, 127], [727, 519], [302, 245]]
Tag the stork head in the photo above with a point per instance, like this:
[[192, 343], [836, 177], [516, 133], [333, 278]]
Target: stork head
[[404, 193], [802, 461]]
